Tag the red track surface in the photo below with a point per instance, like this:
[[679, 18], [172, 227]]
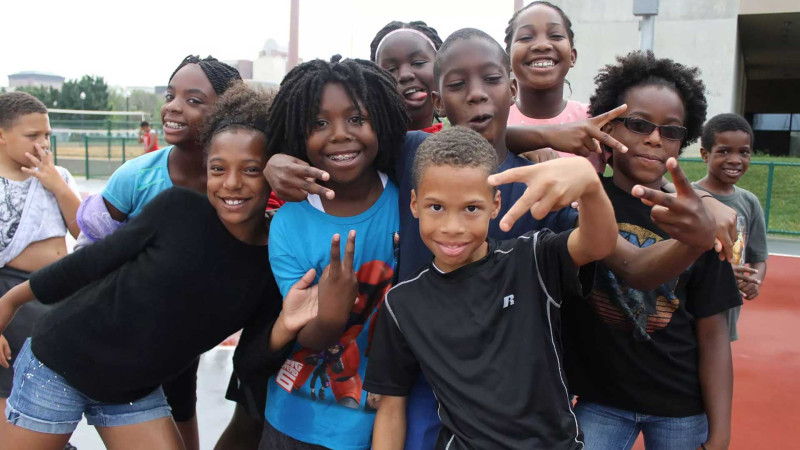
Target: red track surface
[[766, 363]]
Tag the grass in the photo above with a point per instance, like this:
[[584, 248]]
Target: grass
[[784, 213]]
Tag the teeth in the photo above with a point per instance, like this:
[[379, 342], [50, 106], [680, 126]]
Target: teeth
[[343, 157], [543, 63], [411, 91], [174, 125], [233, 202]]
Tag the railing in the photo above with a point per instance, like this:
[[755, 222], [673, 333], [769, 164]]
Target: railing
[[775, 183], [94, 156]]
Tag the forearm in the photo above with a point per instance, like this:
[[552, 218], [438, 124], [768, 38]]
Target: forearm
[[280, 336], [649, 267], [596, 236], [761, 267], [12, 301], [389, 431], [716, 377], [521, 139], [321, 333], [68, 204]]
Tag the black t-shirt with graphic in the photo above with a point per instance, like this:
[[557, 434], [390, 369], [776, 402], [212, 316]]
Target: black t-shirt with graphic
[[637, 350], [486, 336]]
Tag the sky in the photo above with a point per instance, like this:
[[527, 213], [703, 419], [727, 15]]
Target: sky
[[140, 42]]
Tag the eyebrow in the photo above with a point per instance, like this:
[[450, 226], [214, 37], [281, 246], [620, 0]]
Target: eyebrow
[[647, 116], [549, 24]]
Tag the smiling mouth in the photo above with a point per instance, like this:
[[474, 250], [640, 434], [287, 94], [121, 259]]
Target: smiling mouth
[[732, 172], [174, 125], [451, 249], [344, 157], [542, 63]]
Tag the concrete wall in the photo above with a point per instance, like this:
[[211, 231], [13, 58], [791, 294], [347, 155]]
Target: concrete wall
[[700, 33]]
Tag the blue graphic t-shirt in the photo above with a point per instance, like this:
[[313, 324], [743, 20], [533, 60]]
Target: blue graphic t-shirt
[[138, 181], [316, 397]]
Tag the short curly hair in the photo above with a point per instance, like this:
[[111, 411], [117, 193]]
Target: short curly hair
[[456, 147], [637, 69], [14, 105], [722, 123], [240, 107]]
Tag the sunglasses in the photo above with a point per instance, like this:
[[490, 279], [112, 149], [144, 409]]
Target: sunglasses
[[641, 126]]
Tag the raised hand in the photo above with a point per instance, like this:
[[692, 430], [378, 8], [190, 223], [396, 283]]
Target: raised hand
[[541, 155], [584, 137], [681, 215], [338, 286], [552, 185], [293, 179], [301, 302], [43, 168]]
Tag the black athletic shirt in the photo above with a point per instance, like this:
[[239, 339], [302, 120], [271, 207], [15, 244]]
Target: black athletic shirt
[[486, 336], [136, 308], [637, 350]]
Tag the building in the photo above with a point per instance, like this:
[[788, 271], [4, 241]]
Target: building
[[244, 66], [21, 79], [748, 52], [270, 67]]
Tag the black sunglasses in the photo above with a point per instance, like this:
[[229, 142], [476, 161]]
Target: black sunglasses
[[641, 126]]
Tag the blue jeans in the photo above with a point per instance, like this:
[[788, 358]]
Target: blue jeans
[[43, 401], [607, 428]]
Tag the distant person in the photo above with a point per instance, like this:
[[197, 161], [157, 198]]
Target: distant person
[[148, 137], [39, 201], [727, 143]]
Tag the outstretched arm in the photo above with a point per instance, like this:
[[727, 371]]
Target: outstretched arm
[[684, 218], [581, 138]]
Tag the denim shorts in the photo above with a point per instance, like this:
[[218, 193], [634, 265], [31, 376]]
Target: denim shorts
[[43, 401]]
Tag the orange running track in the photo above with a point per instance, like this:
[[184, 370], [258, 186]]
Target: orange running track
[[766, 363]]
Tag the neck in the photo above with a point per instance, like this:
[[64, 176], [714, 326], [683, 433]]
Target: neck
[[354, 197], [541, 103], [252, 233], [501, 149], [421, 123], [626, 183], [11, 169], [187, 167], [716, 186]]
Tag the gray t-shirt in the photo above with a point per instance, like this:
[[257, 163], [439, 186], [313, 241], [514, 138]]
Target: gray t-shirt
[[751, 245]]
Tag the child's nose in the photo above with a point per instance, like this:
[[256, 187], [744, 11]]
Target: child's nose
[[654, 138], [232, 181], [405, 73], [477, 94]]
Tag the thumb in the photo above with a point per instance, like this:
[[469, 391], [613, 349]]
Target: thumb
[[306, 280]]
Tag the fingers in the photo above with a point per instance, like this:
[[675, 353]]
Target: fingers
[[745, 269], [336, 259], [305, 281], [600, 121], [682, 184], [604, 118], [747, 278], [515, 175], [727, 246], [5, 349], [520, 207], [349, 251], [652, 197]]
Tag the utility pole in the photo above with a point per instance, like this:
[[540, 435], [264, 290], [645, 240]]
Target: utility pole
[[647, 10], [294, 25]]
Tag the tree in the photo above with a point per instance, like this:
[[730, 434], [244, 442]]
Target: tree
[[138, 100], [48, 95], [95, 89]]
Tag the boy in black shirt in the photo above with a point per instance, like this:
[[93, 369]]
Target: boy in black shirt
[[652, 361], [482, 320]]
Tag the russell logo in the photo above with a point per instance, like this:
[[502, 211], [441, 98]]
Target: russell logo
[[508, 300]]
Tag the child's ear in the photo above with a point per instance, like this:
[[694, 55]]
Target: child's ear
[[513, 89], [414, 211], [704, 154], [438, 104], [573, 57], [2, 136], [496, 204]]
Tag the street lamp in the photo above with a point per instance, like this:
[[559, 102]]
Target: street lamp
[[83, 117]]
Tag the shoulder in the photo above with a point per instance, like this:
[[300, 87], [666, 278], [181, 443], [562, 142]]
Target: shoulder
[[579, 108], [413, 139], [747, 195], [403, 294], [514, 161], [65, 174]]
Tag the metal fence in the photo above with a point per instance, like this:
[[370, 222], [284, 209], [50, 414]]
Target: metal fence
[[94, 156], [775, 183]]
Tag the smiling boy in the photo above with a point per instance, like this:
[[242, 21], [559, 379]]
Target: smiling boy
[[481, 320]]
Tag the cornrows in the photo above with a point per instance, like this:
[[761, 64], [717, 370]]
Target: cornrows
[[218, 73], [296, 106]]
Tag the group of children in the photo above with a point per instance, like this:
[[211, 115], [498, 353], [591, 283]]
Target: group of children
[[508, 299]]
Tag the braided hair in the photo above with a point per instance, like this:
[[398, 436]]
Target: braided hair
[[512, 23], [241, 107], [296, 106], [637, 69], [418, 25], [218, 73]]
